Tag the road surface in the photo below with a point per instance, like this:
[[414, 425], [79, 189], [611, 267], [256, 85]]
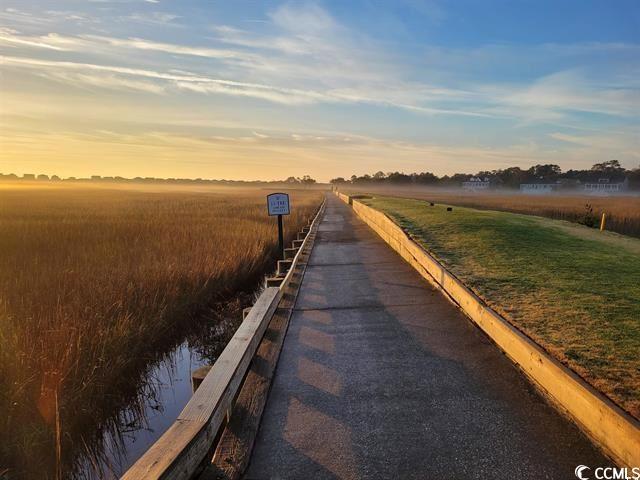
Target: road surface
[[380, 376]]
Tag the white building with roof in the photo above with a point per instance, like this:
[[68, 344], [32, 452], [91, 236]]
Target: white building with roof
[[539, 188], [476, 183], [605, 186]]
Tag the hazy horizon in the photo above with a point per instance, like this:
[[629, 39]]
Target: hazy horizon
[[248, 90]]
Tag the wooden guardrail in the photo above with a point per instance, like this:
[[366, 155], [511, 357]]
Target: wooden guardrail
[[189, 443], [617, 432], [344, 198]]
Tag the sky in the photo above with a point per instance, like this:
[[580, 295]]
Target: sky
[[250, 89]]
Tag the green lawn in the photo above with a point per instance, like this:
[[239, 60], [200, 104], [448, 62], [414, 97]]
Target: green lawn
[[574, 290]]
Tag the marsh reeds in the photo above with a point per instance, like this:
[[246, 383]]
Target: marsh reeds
[[94, 283]]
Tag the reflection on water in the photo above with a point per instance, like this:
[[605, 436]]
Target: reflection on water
[[170, 382], [162, 394]]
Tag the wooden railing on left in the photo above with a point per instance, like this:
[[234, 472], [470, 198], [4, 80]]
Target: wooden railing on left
[[190, 442]]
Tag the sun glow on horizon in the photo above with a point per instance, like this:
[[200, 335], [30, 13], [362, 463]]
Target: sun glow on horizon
[[191, 90]]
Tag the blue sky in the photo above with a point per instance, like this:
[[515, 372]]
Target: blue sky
[[252, 89]]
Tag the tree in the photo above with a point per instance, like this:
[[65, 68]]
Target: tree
[[512, 177], [425, 178], [634, 178], [456, 179], [366, 178], [545, 172], [292, 180], [337, 180], [610, 166], [397, 177], [308, 180]]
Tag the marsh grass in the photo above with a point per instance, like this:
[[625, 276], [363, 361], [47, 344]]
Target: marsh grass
[[575, 293], [95, 281]]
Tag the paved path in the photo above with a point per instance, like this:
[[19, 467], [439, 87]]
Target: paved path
[[381, 377]]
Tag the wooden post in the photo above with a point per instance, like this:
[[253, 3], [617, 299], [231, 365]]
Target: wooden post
[[283, 267], [603, 221], [278, 205], [273, 281], [280, 239], [197, 376]]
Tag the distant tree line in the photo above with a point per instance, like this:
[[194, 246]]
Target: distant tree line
[[305, 180], [510, 177]]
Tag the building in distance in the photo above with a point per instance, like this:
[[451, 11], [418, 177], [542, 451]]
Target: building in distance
[[476, 184]]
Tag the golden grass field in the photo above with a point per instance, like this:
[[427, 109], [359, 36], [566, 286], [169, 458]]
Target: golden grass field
[[622, 212], [94, 279]]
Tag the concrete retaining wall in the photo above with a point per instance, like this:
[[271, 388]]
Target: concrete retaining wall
[[609, 426]]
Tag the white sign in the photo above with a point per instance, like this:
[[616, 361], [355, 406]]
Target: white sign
[[278, 204]]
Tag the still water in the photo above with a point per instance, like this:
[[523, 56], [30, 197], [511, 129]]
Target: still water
[[171, 382], [164, 391]]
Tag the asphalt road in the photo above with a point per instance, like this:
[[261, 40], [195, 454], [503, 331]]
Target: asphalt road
[[381, 377]]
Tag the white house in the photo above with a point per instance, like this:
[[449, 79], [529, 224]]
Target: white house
[[539, 188], [476, 183], [605, 186]]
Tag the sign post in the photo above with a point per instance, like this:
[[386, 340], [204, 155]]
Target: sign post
[[278, 204]]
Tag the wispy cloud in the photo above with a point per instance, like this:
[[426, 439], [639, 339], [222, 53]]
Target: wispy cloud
[[188, 81], [290, 76], [569, 90], [208, 85], [312, 58], [154, 18], [141, 44], [7, 36], [624, 143], [14, 15]]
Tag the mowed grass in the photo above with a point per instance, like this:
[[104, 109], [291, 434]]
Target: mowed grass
[[94, 280], [623, 212], [575, 294]]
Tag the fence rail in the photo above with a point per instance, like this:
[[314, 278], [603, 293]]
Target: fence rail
[[617, 432]]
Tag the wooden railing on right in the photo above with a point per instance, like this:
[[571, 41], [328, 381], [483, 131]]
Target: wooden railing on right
[[189, 443], [610, 427]]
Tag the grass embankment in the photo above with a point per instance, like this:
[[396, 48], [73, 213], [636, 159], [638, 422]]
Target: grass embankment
[[623, 212], [93, 281], [574, 292]]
